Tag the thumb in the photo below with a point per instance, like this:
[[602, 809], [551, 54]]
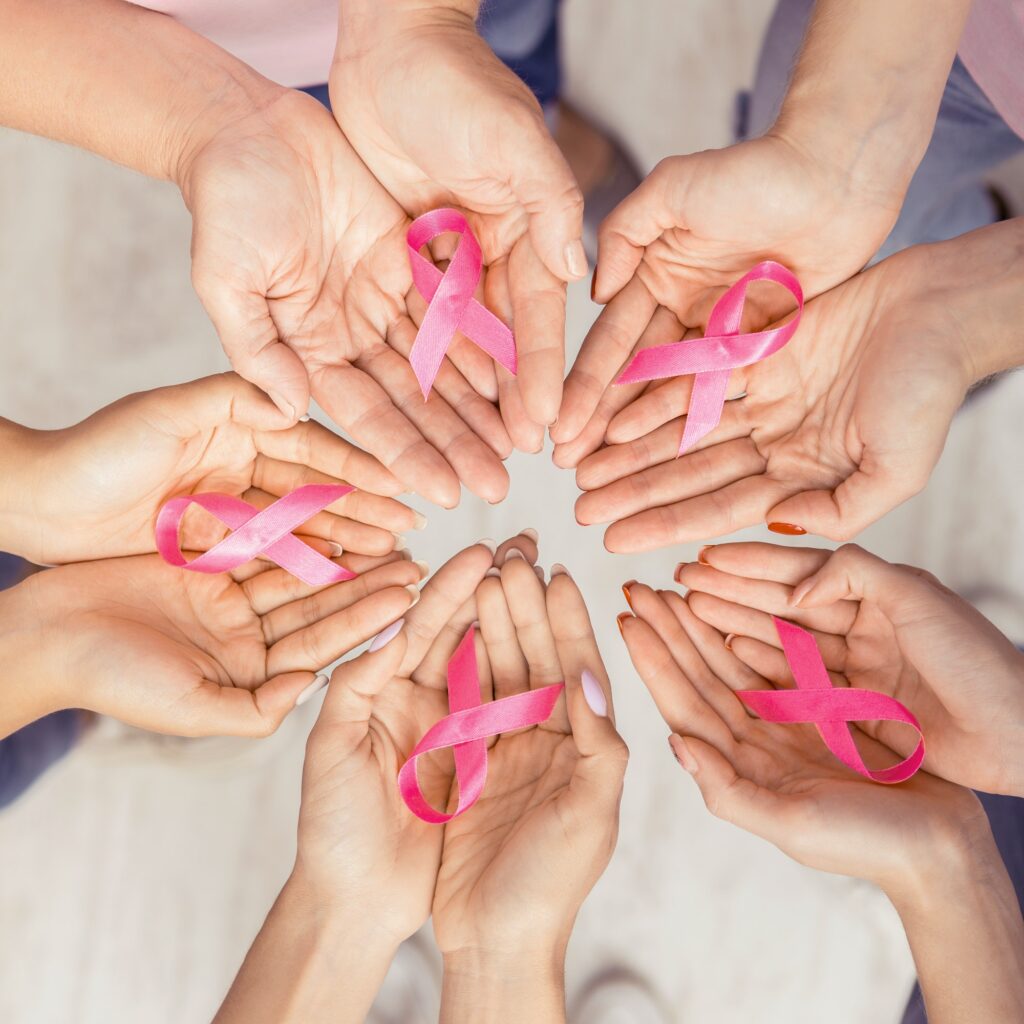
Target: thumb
[[250, 339], [603, 753], [853, 574]]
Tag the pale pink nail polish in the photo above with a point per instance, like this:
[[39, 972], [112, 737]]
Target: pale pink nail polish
[[594, 693], [385, 636]]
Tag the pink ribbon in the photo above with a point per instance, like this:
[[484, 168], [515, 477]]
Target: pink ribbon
[[466, 730], [722, 349], [450, 303], [816, 700], [255, 532]]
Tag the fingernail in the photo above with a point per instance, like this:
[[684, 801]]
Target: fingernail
[[514, 553], [593, 286], [559, 570], [491, 545], [594, 693], [493, 571], [801, 590], [702, 555], [419, 521], [304, 419], [678, 574], [414, 593], [285, 406], [620, 619], [314, 687], [531, 533], [336, 548], [385, 636], [540, 572], [625, 591], [682, 753], [576, 259], [423, 568], [788, 529], [728, 641]]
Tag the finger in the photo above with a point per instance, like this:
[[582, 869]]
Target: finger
[[473, 461], [289, 617], [509, 669], [525, 542], [219, 399], [732, 508], [694, 474], [432, 670], [250, 339], [770, 662], [759, 561], [853, 574], [312, 445], [357, 403], [605, 349], [323, 642], [538, 304]]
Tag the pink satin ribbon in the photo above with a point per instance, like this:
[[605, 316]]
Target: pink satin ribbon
[[830, 708], [255, 532], [722, 349], [466, 730], [449, 295]]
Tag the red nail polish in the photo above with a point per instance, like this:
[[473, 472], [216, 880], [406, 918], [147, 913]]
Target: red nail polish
[[702, 557], [788, 529], [625, 591]]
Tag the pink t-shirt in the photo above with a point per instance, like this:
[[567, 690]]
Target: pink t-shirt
[[992, 49], [289, 41]]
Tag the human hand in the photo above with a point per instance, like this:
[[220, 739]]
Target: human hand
[[884, 627], [517, 866], [441, 121], [186, 653], [697, 224], [93, 490], [828, 434], [299, 257]]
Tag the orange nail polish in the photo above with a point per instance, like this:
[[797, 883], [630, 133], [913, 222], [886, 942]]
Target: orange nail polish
[[728, 641], [702, 556], [620, 619], [679, 572], [625, 592], [788, 529], [593, 282]]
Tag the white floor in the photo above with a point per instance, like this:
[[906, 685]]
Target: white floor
[[134, 875]]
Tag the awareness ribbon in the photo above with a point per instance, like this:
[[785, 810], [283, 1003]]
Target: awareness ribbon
[[816, 700], [254, 532], [450, 303], [466, 730], [722, 349]]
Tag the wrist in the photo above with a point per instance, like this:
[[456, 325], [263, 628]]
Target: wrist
[[364, 24], [20, 453]]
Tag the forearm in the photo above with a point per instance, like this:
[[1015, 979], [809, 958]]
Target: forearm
[[507, 987], [964, 926], [308, 964], [867, 84], [127, 83]]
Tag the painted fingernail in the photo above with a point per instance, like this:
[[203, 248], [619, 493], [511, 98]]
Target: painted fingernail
[[414, 593], [682, 753], [576, 259], [702, 555], [593, 286], [419, 521], [423, 568], [487, 542], [539, 572], [514, 553], [314, 687], [625, 592], [385, 636], [728, 641], [559, 570], [531, 533], [788, 529], [336, 548], [594, 693], [678, 574], [620, 619], [304, 419], [493, 571]]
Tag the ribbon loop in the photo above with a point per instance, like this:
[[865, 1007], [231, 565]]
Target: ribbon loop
[[255, 532], [722, 349], [815, 700], [466, 730], [449, 296]]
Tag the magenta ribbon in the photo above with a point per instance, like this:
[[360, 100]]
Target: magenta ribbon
[[450, 303], [722, 349], [466, 730], [255, 532], [830, 708]]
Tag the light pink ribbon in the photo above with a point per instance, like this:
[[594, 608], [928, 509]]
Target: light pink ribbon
[[466, 730], [830, 708], [722, 349], [255, 532], [450, 303]]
